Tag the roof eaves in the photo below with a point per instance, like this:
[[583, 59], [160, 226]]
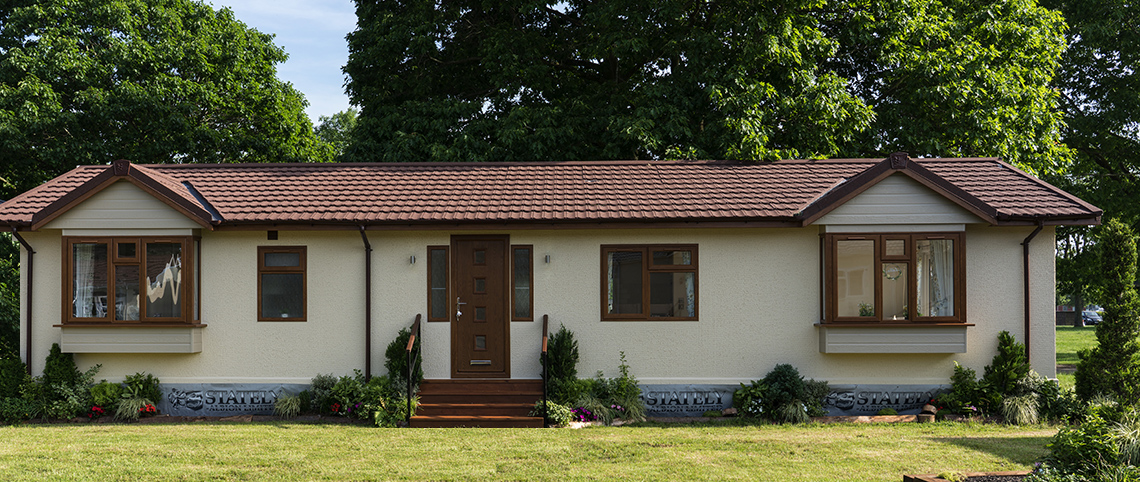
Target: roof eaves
[[898, 162], [152, 182]]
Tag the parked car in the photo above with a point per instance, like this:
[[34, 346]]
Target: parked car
[[1090, 317]]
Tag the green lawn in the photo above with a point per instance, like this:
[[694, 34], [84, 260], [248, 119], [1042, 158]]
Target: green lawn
[[294, 451], [1069, 340]]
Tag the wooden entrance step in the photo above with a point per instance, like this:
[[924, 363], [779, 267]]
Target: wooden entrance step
[[478, 403]]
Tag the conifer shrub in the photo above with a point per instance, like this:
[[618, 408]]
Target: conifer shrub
[[1111, 367], [396, 362], [1000, 378], [788, 398], [562, 357], [59, 368]]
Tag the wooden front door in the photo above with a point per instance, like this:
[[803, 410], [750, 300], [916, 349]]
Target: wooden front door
[[480, 332]]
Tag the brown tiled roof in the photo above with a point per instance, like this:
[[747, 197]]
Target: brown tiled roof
[[575, 192]]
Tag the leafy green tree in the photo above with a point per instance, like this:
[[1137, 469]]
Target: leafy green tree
[[955, 78], [521, 80], [625, 79], [90, 81], [336, 130], [1112, 366], [1100, 103], [9, 296]]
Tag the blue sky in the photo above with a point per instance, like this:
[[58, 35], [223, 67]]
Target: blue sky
[[312, 33]]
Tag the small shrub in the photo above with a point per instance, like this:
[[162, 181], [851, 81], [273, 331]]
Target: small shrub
[[1020, 410], [815, 392], [305, 398], [131, 408], [562, 354], [712, 414], [749, 399], [12, 375], [15, 410], [790, 413], [396, 362], [952, 476], [106, 394], [59, 369], [887, 411], [287, 406], [557, 414], [1001, 376], [321, 386], [143, 385]]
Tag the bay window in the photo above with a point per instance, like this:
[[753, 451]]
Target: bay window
[[130, 280], [894, 278]]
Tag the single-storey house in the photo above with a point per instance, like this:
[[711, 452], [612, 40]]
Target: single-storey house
[[233, 280]]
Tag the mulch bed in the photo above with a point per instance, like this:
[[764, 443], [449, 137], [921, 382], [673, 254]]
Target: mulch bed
[[1015, 476]]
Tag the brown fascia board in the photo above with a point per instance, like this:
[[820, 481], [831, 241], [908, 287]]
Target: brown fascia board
[[405, 225], [106, 178], [872, 175]]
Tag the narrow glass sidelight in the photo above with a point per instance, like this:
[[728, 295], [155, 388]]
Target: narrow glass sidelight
[[164, 280], [895, 292], [522, 277], [126, 293], [935, 277], [855, 280], [437, 284], [89, 262]]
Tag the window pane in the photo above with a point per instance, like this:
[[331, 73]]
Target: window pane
[[672, 258], [935, 263], [672, 295], [127, 292], [163, 280], [894, 247], [855, 277], [89, 299], [522, 283], [282, 295], [894, 291], [283, 259], [437, 260], [126, 250], [623, 273]]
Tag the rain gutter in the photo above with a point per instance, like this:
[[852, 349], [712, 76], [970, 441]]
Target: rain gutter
[[367, 305]]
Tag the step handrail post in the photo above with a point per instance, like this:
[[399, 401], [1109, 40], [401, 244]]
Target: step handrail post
[[415, 333], [545, 369]]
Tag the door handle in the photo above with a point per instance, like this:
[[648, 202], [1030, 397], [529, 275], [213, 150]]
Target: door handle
[[458, 310]]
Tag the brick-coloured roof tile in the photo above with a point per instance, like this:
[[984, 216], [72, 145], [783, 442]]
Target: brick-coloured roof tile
[[646, 191]]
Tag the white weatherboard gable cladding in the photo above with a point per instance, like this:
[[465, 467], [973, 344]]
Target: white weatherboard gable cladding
[[123, 206], [898, 200]]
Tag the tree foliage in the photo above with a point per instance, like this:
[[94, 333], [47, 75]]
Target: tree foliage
[[1112, 366], [956, 78], [90, 81], [336, 131], [577, 80], [1100, 104]]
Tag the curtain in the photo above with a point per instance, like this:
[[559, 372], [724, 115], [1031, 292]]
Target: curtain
[[84, 300], [942, 277]]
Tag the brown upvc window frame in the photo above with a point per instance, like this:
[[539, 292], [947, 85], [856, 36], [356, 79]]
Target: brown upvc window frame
[[433, 316], [189, 278], [301, 269], [515, 248], [881, 257], [647, 268]]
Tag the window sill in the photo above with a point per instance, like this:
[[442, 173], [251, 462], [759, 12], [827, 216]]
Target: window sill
[[136, 338], [892, 337]]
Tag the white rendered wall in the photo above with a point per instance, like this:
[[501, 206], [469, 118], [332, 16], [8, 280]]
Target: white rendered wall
[[758, 302]]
